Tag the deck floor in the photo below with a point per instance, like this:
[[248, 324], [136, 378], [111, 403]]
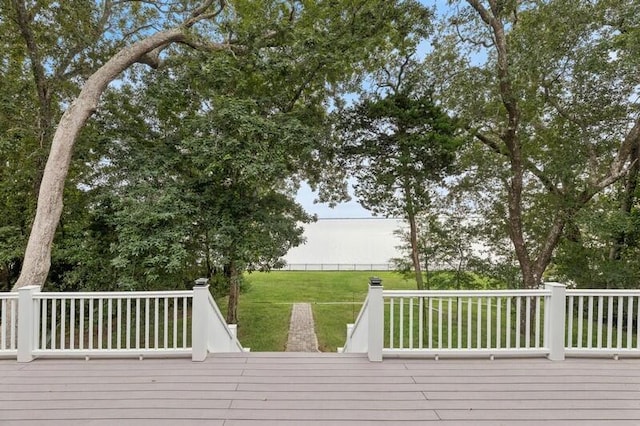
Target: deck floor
[[318, 389]]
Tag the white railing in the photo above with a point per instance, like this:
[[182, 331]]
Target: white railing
[[222, 337], [603, 322], [356, 332], [113, 324], [8, 329], [465, 323], [460, 323]]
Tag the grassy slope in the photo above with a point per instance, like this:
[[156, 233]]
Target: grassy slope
[[336, 298], [264, 309]]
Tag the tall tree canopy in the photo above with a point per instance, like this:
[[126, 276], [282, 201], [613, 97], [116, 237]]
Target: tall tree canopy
[[313, 48], [549, 92], [397, 145], [184, 169]]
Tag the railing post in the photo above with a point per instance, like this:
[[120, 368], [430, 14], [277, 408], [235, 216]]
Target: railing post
[[555, 321], [199, 320], [26, 336], [376, 320], [233, 328]]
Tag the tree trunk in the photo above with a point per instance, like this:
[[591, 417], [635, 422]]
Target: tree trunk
[[231, 273], [37, 260], [532, 267], [415, 252]]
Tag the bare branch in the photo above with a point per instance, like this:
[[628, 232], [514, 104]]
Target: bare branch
[[403, 65], [208, 46], [484, 13], [470, 40], [199, 14], [133, 32]]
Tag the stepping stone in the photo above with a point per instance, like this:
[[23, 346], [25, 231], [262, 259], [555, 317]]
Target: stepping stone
[[302, 335]]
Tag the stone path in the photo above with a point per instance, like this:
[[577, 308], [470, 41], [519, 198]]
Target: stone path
[[302, 335]]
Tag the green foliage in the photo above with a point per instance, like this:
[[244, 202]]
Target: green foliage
[[396, 145], [336, 298], [586, 259], [193, 168], [551, 110]]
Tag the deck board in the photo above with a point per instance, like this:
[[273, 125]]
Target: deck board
[[319, 389]]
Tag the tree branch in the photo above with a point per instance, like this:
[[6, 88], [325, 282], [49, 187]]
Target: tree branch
[[624, 152], [101, 27], [506, 90], [199, 14], [24, 19], [528, 164]]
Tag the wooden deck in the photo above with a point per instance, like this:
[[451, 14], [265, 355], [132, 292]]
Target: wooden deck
[[317, 389]]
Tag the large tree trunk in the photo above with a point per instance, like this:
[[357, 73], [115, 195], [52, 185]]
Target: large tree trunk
[[37, 258]]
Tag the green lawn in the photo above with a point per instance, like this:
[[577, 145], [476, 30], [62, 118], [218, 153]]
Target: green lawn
[[336, 298]]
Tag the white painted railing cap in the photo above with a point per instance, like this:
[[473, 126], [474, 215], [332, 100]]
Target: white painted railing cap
[[202, 282]]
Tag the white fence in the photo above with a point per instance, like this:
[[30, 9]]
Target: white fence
[[338, 267], [8, 335], [113, 324], [451, 322], [551, 322], [603, 322]]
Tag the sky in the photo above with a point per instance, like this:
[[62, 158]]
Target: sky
[[348, 210]]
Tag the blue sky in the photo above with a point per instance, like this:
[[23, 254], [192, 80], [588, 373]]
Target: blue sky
[[350, 209]]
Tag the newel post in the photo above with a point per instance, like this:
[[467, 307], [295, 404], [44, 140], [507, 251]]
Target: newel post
[[555, 321], [26, 335], [376, 320], [199, 320]]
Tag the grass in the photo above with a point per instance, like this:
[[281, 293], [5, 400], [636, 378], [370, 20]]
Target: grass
[[336, 298]]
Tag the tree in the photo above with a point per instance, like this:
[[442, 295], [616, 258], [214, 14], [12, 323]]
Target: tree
[[199, 161], [547, 95], [396, 145], [47, 50], [603, 249], [37, 258], [204, 26], [191, 191]]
